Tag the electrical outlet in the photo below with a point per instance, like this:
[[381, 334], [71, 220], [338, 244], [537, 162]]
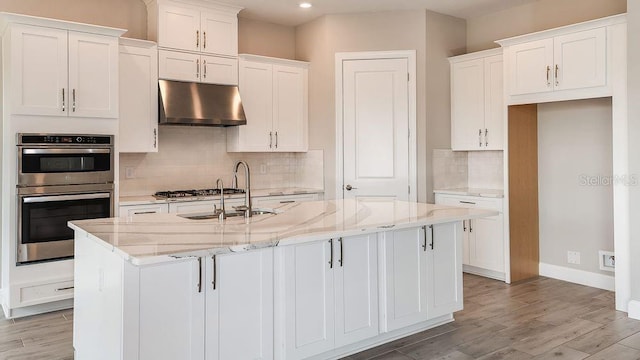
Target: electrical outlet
[[129, 172], [607, 260], [573, 257]]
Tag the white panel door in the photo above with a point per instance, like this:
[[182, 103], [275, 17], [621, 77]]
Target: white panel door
[[486, 245], [138, 99], [581, 59], [376, 128], [93, 75], [406, 277], [219, 33], [219, 70], [256, 91], [309, 297], [531, 67], [289, 108], [467, 104], [173, 65], [356, 284], [444, 269], [38, 71], [239, 307], [179, 28], [493, 103], [172, 316]]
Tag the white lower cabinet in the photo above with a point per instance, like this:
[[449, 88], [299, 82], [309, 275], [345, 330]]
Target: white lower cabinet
[[239, 306], [444, 269], [130, 210], [331, 294]]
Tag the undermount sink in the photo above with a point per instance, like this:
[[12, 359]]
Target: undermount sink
[[211, 215]]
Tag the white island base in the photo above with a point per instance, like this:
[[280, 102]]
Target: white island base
[[303, 298]]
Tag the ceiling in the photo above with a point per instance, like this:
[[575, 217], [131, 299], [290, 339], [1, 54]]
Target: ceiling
[[287, 12]]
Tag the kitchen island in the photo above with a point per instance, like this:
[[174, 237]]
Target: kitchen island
[[315, 280]]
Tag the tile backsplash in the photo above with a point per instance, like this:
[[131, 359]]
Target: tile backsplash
[[472, 169], [194, 157]]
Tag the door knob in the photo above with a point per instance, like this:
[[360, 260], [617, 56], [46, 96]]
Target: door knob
[[349, 187]]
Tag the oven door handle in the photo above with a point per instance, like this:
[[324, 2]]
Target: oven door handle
[[40, 199], [65, 151]]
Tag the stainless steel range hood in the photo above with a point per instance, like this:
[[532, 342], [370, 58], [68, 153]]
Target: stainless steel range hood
[[188, 103]]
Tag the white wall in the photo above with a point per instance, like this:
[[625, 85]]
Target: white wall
[[574, 181]]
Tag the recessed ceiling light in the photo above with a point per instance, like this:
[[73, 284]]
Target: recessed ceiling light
[[305, 5]]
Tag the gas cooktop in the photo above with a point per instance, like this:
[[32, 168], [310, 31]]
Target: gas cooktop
[[194, 193]]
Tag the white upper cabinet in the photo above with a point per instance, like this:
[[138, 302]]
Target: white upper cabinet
[[566, 63], [178, 27], [274, 97], [60, 72], [219, 33], [138, 96], [477, 101]]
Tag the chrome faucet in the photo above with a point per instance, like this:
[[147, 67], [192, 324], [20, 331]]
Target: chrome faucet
[[247, 188], [220, 185]]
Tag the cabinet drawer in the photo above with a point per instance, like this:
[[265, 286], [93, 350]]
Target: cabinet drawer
[[473, 202], [143, 209], [37, 294]]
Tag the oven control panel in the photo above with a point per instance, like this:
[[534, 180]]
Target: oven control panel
[[43, 139]]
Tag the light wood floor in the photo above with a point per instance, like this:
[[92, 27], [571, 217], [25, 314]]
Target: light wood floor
[[539, 319]]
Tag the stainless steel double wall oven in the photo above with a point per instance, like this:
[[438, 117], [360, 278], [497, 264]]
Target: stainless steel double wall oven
[[60, 178]]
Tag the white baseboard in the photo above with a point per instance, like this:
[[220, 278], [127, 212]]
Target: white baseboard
[[581, 277], [634, 309]]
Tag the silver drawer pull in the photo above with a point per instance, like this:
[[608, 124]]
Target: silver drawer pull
[[467, 202], [144, 212], [65, 288]]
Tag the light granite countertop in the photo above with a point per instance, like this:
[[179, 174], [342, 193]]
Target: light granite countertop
[[150, 238], [490, 193], [149, 199]]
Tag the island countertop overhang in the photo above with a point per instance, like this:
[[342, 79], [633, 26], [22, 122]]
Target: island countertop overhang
[[151, 238]]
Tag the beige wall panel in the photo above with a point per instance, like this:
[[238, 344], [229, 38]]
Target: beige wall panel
[[262, 38], [538, 15], [125, 14]]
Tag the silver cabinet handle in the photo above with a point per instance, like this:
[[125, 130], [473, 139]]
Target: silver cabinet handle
[[213, 281], [466, 202], [276, 139], [204, 41], [464, 225], [341, 253], [64, 288], [432, 237], [548, 72], [270, 139], [424, 232], [480, 137], [486, 137], [144, 212], [197, 68], [470, 227], [331, 254], [197, 39], [349, 187], [73, 95], [63, 102], [204, 68], [155, 138], [199, 274], [556, 75]]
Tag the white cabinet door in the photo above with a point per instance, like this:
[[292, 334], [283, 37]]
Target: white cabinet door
[[138, 99], [239, 306], [179, 28], [290, 108], [486, 244], [93, 75], [493, 103], [130, 210], [172, 311], [530, 67], [219, 70], [219, 33], [38, 71], [193, 206], [467, 104], [173, 65], [444, 269], [356, 289], [309, 296], [580, 59], [406, 277], [255, 85]]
